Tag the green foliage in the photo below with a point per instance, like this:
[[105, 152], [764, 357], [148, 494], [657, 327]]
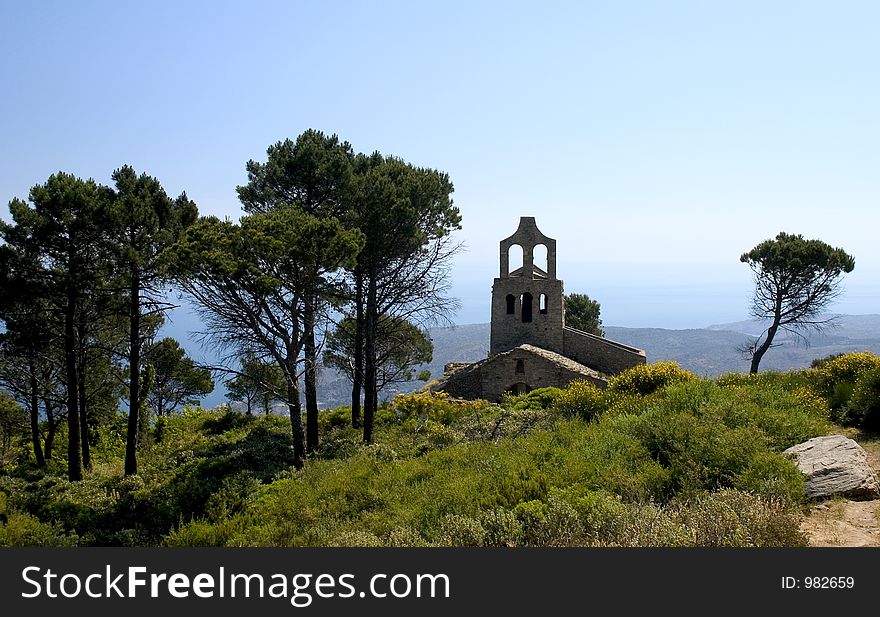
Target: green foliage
[[835, 379], [400, 346], [258, 382], [846, 367], [433, 406], [735, 518], [647, 378], [863, 408], [771, 475], [582, 399], [540, 398], [329, 419], [692, 463], [19, 529], [176, 379], [582, 313], [13, 426], [458, 530]]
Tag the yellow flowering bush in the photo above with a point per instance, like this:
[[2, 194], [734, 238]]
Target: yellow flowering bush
[[647, 378], [581, 398], [847, 367]]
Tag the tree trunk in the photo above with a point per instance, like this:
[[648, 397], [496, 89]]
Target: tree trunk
[[84, 416], [74, 467], [51, 429], [370, 368], [134, 374], [35, 408], [311, 374], [357, 381], [294, 409], [762, 349]]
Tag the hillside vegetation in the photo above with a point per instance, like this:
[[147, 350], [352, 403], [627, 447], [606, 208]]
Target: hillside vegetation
[[660, 458]]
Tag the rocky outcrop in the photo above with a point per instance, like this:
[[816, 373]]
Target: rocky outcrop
[[835, 465]]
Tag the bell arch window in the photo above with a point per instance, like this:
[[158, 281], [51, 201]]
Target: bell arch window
[[527, 307], [511, 304], [542, 304], [540, 257], [514, 258]]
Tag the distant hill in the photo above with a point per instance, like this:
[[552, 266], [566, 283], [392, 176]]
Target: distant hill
[[713, 350], [709, 351]]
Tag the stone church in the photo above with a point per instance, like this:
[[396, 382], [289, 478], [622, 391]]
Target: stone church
[[530, 346]]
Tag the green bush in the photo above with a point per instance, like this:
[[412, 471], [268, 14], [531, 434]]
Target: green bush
[[356, 538], [647, 378], [835, 379], [863, 408], [405, 537], [502, 528], [773, 476], [20, 529], [581, 399], [329, 419], [540, 398], [735, 518], [458, 530], [205, 533]]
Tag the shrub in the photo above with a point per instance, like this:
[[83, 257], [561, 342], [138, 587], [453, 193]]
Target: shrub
[[736, 379], [340, 443], [204, 533], [863, 408], [647, 378], [457, 530], [531, 515], [581, 399], [701, 453], [356, 538], [835, 379], [435, 406], [405, 537], [600, 514], [502, 527], [232, 497], [735, 518], [339, 417], [541, 398], [22, 529], [773, 476], [561, 524]]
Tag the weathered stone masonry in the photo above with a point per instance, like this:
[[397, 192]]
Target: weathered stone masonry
[[530, 346]]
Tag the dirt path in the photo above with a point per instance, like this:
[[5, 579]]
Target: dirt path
[[841, 522]]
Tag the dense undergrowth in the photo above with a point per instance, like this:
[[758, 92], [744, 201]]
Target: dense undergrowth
[[659, 458]]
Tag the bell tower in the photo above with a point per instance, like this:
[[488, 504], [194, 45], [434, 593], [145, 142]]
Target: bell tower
[[527, 302]]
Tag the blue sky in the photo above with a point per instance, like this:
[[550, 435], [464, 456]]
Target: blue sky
[[657, 141]]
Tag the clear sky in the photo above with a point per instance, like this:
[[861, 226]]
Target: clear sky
[[657, 141]]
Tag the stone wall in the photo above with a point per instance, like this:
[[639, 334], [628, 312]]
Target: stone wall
[[538, 372], [527, 365], [605, 356], [509, 330], [463, 382]]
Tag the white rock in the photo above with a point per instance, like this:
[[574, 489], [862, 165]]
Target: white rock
[[835, 465]]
